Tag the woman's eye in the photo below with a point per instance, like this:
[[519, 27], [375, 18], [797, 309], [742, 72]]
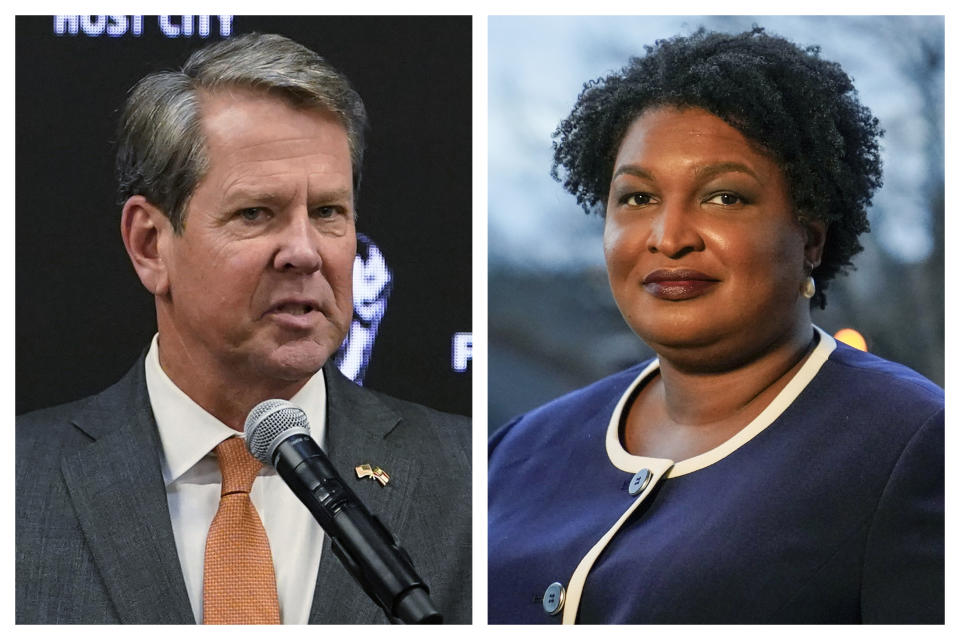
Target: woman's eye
[[638, 199], [725, 199]]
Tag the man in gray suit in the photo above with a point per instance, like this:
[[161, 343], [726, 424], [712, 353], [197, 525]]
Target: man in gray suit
[[239, 175]]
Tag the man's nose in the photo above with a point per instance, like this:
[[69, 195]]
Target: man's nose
[[299, 249], [674, 231]]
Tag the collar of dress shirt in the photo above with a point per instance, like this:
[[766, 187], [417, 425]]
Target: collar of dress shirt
[[188, 432]]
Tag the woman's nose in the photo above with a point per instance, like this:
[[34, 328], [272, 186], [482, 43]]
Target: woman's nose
[[674, 232]]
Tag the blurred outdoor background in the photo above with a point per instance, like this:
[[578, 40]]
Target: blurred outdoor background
[[553, 325]]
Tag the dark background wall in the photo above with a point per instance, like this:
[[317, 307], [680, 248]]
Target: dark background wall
[[82, 316]]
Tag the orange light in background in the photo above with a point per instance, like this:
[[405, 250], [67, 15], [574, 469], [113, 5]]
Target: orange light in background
[[851, 337]]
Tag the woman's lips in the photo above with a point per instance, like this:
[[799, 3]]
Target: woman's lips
[[678, 284]]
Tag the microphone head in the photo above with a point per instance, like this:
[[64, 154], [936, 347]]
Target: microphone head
[[271, 422]]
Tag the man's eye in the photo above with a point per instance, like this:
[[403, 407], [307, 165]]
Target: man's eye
[[252, 214], [326, 211], [638, 199]]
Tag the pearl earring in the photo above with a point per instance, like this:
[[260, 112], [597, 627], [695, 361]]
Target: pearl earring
[[809, 287]]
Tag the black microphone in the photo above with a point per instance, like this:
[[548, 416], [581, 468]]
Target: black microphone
[[278, 434]]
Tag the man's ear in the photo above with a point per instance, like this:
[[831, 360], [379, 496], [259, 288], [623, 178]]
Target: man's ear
[[146, 232], [816, 234]]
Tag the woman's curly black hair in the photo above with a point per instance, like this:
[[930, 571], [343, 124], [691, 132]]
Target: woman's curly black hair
[[801, 109]]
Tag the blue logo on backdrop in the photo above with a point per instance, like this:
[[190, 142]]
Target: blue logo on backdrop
[[462, 350], [118, 26], [372, 284]]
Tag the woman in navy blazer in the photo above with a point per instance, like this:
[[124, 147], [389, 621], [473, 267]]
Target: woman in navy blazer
[[756, 471]]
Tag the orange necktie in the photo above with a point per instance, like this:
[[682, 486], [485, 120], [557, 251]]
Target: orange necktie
[[239, 585]]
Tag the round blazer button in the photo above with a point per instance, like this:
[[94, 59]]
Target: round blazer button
[[553, 598], [640, 481]]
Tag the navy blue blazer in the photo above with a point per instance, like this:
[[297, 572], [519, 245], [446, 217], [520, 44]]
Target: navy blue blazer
[[832, 513], [94, 543]]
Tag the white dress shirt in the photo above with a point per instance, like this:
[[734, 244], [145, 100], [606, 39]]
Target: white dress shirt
[[192, 477]]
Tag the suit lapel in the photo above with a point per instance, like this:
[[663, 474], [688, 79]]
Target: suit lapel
[[118, 493], [358, 429]]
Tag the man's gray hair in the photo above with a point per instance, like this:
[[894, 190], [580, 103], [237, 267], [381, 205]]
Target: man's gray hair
[[161, 151]]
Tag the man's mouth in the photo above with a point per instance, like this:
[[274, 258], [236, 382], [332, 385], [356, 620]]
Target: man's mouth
[[294, 308]]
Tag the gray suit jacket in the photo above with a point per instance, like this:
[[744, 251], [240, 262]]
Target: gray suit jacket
[[94, 543]]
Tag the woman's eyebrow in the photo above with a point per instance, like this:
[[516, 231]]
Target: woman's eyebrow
[[632, 170], [705, 172]]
